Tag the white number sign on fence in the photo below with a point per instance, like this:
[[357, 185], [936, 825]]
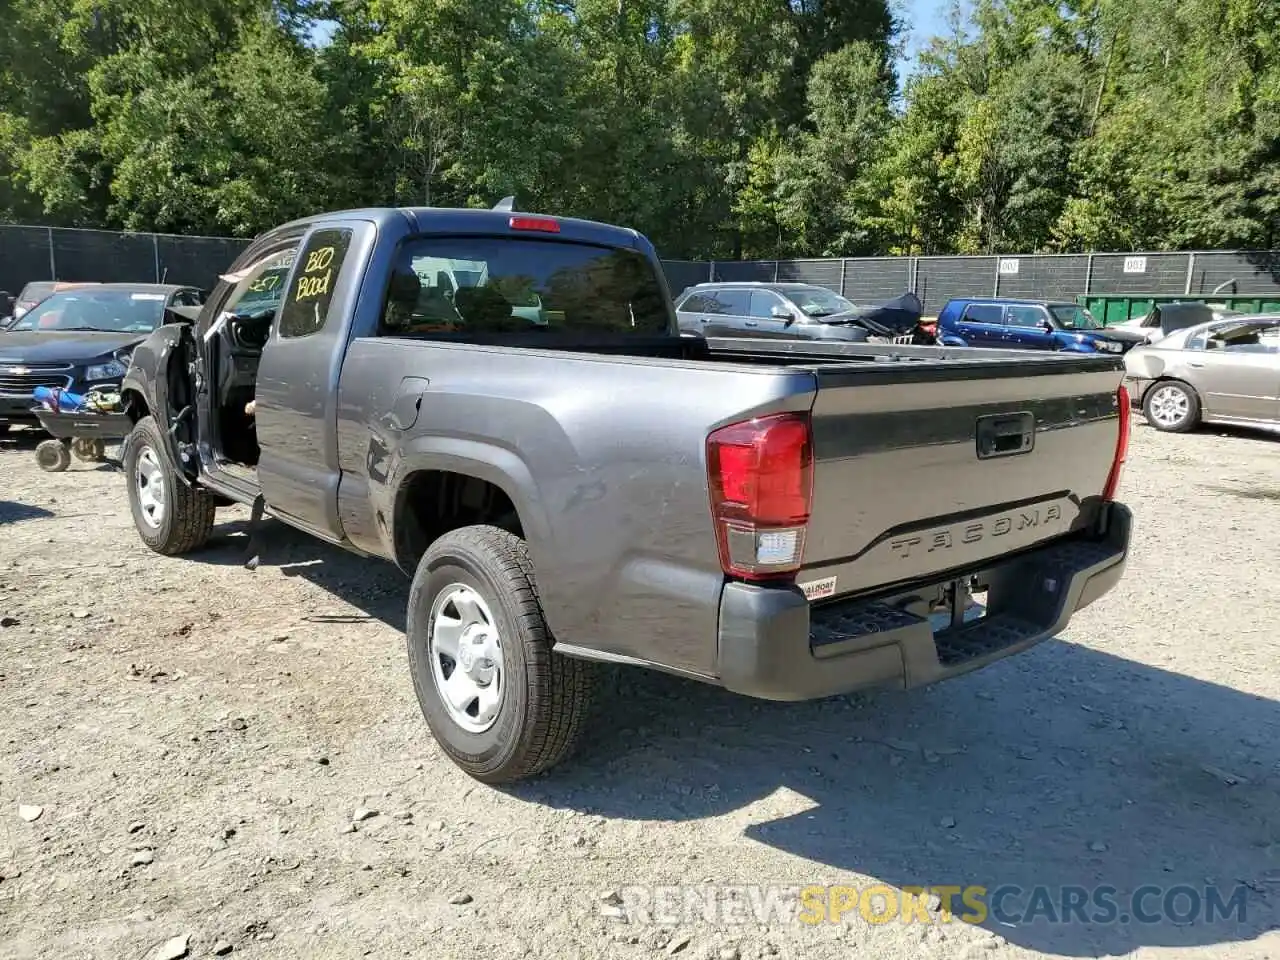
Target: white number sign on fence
[[1135, 264], [1008, 266]]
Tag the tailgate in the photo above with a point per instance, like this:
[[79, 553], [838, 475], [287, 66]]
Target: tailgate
[[932, 467]]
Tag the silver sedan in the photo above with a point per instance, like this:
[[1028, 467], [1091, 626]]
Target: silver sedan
[[1225, 371]]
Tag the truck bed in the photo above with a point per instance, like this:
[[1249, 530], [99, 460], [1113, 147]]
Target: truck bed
[[603, 447]]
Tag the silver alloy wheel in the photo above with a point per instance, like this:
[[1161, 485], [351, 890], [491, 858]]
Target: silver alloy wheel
[[149, 478], [466, 657], [1169, 406]]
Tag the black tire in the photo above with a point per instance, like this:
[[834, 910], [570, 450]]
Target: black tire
[[187, 517], [545, 696], [53, 456], [4, 428], [1190, 419]]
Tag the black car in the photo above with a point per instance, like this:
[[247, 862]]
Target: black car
[[804, 311], [80, 338]]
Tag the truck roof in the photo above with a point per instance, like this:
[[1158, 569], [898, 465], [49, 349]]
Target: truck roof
[[474, 220]]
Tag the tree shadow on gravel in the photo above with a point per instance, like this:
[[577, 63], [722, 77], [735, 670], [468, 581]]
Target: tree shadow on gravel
[[1062, 767], [12, 512]]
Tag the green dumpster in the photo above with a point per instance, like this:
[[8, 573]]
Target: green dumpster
[[1116, 308]]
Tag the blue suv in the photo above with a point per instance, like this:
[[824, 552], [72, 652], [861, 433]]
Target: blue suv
[[1032, 325]]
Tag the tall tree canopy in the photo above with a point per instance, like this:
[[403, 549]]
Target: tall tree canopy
[[717, 127]]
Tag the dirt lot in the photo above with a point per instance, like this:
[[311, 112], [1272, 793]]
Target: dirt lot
[[199, 738]]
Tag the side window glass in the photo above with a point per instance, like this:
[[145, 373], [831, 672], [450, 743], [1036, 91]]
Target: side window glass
[[1024, 316], [306, 308], [984, 313], [258, 289], [735, 303], [763, 302]]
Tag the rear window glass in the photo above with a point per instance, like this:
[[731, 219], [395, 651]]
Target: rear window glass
[[487, 285]]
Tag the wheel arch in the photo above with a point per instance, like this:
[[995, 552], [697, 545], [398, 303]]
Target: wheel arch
[[454, 483]]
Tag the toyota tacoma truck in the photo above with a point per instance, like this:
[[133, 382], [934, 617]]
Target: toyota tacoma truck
[[789, 520]]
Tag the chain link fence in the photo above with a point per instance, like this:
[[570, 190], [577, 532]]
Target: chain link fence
[[935, 280], [56, 253]]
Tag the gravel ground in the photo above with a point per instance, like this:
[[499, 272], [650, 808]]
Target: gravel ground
[[197, 740]]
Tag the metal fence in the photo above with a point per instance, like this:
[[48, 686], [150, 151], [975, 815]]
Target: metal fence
[[935, 280], [55, 253]]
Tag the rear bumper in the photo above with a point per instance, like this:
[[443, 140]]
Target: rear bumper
[[774, 646]]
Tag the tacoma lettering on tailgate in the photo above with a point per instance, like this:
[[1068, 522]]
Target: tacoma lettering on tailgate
[[975, 531]]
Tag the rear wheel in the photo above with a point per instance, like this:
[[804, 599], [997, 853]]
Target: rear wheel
[[171, 517], [1172, 406], [499, 702]]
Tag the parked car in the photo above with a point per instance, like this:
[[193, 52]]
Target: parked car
[[803, 311], [1032, 325], [35, 292], [79, 338], [1224, 371], [1164, 318], [598, 487]]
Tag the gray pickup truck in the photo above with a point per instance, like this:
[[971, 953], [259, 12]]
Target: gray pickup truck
[[502, 405]]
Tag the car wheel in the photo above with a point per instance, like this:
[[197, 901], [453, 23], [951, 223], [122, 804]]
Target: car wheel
[[1171, 406], [172, 517], [495, 696]]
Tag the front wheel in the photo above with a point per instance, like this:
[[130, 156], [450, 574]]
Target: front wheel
[[1171, 406], [171, 517], [499, 702]]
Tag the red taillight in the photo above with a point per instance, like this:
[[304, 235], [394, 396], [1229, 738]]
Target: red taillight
[[544, 224], [1122, 444], [761, 478]]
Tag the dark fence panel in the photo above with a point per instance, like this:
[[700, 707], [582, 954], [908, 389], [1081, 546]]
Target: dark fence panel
[[938, 279], [823, 273], [684, 273], [1043, 278], [746, 270], [1164, 273], [24, 257], [41, 253], [1236, 273], [873, 280], [196, 260], [104, 256]]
